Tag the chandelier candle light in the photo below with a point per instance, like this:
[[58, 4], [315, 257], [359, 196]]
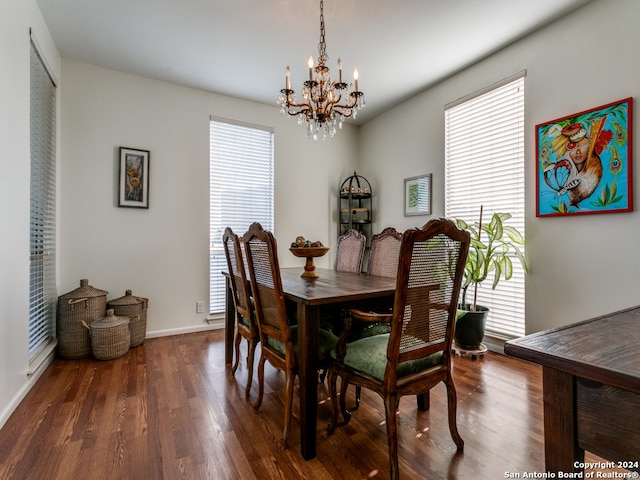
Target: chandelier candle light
[[325, 103]]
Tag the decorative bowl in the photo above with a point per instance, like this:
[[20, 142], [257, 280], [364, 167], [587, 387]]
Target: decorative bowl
[[309, 253]]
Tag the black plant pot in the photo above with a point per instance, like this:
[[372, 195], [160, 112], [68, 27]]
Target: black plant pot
[[470, 327]]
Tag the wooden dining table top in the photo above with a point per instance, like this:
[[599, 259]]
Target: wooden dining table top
[[332, 286]]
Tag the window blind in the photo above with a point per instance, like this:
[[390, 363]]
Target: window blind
[[484, 165], [42, 275], [241, 191]]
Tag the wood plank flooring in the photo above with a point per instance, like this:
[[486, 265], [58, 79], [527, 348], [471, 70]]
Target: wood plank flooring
[[170, 409]]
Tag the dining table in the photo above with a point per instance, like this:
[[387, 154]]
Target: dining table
[[309, 300]]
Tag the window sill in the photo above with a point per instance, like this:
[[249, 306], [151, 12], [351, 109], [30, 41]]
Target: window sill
[[43, 358]]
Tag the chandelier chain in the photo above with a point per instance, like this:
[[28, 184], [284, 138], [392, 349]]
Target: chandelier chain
[[322, 46]]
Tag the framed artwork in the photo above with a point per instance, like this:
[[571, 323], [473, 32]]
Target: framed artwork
[[584, 162], [134, 178], [417, 195]]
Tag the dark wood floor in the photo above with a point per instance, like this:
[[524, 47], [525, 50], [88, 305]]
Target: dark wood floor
[[170, 409]]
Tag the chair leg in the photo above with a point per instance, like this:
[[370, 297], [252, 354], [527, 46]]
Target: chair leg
[[333, 389], [453, 407], [252, 351], [424, 401], [261, 363], [288, 404], [343, 401], [333, 392], [237, 352], [391, 407], [358, 392]]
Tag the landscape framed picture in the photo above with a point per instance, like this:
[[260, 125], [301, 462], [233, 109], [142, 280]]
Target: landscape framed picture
[[134, 178], [584, 162], [417, 195]]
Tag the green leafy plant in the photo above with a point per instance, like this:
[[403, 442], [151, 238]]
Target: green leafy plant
[[491, 249]]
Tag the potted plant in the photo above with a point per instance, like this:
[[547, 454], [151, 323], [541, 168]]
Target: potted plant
[[491, 249]]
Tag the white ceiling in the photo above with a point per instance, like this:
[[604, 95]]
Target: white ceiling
[[241, 47]]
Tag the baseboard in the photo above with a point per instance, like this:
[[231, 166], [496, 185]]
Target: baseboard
[[212, 325], [494, 344]]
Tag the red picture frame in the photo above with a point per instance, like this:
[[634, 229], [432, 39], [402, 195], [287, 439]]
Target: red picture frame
[[584, 162]]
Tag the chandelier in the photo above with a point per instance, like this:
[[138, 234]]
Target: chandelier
[[325, 104]]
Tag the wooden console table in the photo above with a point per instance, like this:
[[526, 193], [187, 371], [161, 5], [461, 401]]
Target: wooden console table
[[591, 385]]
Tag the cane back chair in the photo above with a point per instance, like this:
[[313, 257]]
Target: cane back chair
[[416, 354], [350, 251], [246, 326], [278, 339], [384, 254]]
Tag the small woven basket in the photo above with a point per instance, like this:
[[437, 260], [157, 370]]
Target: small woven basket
[[80, 306], [110, 336], [136, 309]]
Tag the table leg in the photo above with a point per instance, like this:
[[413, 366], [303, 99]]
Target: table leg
[[308, 325], [561, 450], [229, 324]]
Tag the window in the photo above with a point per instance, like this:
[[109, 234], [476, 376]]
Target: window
[[484, 165], [42, 276], [240, 191]]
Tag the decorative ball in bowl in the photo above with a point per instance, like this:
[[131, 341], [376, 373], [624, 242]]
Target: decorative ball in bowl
[[309, 252]]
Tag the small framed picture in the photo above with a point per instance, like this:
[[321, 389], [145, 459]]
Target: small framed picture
[[417, 195], [134, 178]]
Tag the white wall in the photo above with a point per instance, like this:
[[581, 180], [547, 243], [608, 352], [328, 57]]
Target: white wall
[[163, 253], [581, 266], [18, 16]]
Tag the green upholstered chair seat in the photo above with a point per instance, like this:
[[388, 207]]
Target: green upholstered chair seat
[[245, 321], [361, 330], [369, 355], [326, 342]]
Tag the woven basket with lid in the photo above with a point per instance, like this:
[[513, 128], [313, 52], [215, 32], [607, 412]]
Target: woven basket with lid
[[136, 309], [84, 304], [110, 336]]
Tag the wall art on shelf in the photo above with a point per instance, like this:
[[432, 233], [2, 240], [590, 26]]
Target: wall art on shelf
[[134, 178], [584, 162], [417, 195]]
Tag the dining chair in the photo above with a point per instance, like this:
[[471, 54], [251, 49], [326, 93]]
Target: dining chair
[[349, 256], [416, 354], [246, 326], [279, 339], [384, 254], [350, 251]]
